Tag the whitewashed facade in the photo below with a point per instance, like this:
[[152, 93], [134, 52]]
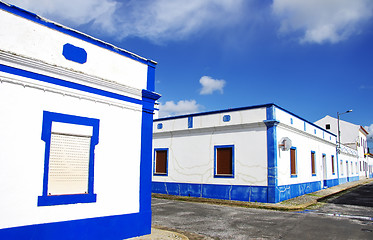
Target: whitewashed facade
[[76, 116], [353, 137], [237, 154]]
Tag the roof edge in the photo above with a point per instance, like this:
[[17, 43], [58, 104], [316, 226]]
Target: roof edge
[[72, 32]]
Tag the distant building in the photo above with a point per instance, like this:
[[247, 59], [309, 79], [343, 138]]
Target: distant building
[[352, 136], [259, 153], [370, 164], [76, 133]]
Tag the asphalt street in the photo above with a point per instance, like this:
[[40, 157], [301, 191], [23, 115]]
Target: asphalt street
[[337, 219]]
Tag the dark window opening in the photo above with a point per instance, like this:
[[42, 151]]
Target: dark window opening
[[224, 163], [313, 163], [161, 161], [293, 162]]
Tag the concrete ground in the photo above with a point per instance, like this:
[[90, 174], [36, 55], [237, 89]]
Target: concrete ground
[[162, 232]]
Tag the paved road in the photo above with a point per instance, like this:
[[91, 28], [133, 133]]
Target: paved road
[[332, 221]]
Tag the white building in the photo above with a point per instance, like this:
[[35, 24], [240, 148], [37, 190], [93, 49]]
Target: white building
[[76, 133], [352, 136], [261, 153]]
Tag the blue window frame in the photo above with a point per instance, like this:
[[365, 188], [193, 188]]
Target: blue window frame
[[48, 199], [224, 161], [293, 162], [160, 162]]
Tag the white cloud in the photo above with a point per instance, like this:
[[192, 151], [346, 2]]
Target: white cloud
[[156, 20], [170, 108], [73, 13], [321, 21], [370, 131], [209, 85]]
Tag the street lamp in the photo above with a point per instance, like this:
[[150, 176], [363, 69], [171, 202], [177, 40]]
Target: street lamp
[[339, 131]]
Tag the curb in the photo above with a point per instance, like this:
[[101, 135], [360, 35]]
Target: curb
[[294, 204]]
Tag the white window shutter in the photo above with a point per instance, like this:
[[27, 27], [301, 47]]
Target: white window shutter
[[68, 164]]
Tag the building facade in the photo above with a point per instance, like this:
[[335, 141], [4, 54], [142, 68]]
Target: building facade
[[353, 137], [260, 153], [76, 133]]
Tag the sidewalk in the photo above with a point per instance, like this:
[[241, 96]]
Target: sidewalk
[[298, 203], [294, 204], [159, 234]]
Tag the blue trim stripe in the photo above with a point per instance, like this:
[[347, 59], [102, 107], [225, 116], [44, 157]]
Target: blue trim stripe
[[269, 105], [146, 151], [63, 83], [35, 18], [272, 174], [190, 122], [110, 227]]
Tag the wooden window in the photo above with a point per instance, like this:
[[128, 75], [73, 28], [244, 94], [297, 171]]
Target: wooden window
[[224, 161], [333, 170], [161, 161], [293, 162], [313, 164]]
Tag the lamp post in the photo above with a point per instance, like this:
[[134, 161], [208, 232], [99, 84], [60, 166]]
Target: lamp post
[[339, 131]]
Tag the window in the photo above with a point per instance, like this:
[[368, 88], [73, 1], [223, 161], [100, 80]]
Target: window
[[313, 163], [69, 159], [293, 162], [327, 126], [161, 161], [224, 161], [159, 125], [341, 167], [333, 171]]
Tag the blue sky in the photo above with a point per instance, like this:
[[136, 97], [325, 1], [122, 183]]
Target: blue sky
[[311, 57]]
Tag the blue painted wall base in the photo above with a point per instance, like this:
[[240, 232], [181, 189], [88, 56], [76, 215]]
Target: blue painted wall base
[[331, 182], [234, 192], [352, 179], [225, 192], [111, 227], [295, 190]]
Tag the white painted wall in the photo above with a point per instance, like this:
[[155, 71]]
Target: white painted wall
[[304, 143], [352, 136], [352, 167], [191, 151], [117, 156], [213, 120], [26, 38]]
